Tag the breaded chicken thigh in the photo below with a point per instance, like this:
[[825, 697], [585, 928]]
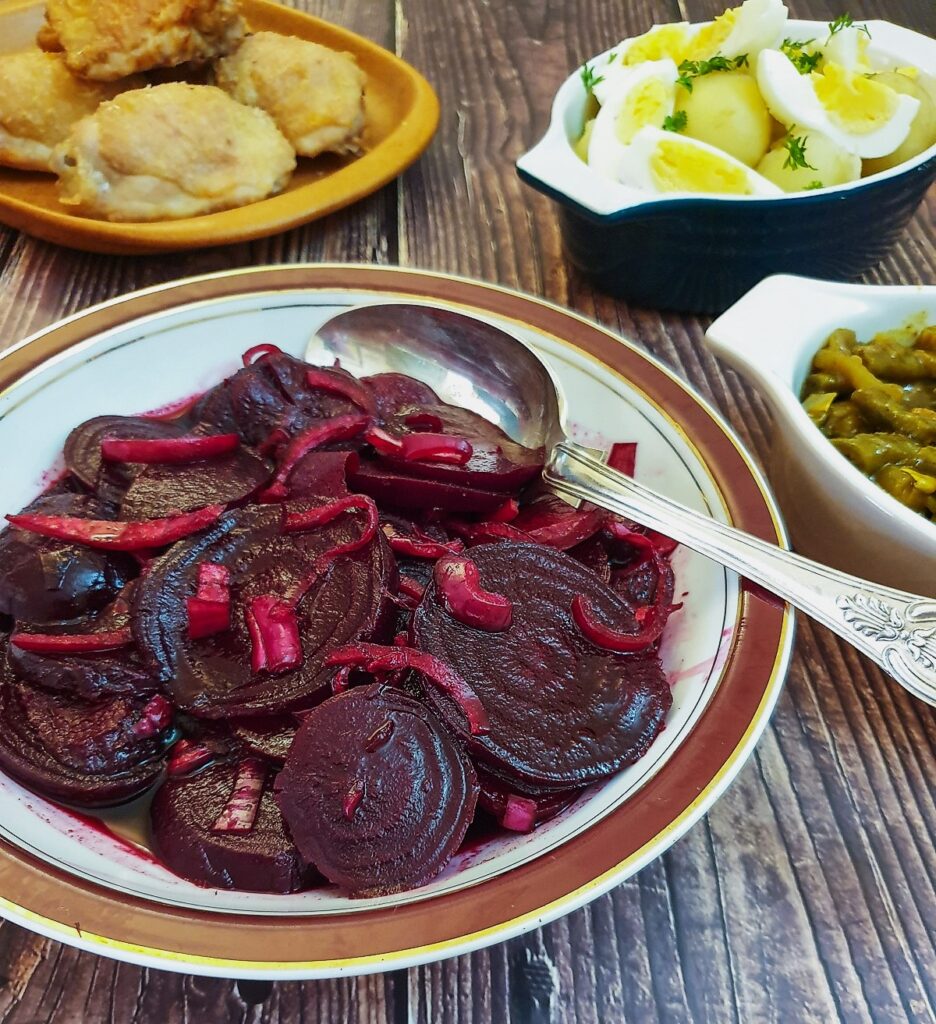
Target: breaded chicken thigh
[[40, 100], [315, 95], [173, 150], [108, 39]]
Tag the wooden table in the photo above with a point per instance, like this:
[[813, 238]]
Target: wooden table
[[807, 894]]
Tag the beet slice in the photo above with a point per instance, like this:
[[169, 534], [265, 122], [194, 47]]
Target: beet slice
[[496, 464], [212, 676], [83, 753], [395, 391], [400, 490], [321, 474], [44, 579], [562, 712], [162, 489], [89, 676], [376, 792], [269, 738], [182, 816], [83, 457]]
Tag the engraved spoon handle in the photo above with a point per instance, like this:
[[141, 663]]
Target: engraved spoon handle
[[895, 629]]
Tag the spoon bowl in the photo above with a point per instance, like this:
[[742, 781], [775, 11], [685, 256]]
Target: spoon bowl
[[472, 363]]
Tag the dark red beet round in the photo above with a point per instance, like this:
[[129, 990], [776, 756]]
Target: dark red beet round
[[118, 672], [376, 792], [43, 580], [264, 859], [562, 712], [321, 474], [161, 490], [109, 480], [82, 753], [212, 677], [270, 737], [399, 490]]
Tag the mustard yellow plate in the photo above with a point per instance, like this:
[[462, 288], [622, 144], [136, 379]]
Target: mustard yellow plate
[[402, 115]]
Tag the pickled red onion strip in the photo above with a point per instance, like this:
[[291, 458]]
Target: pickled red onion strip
[[459, 587], [151, 450], [430, 447], [345, 386], [241, 809], [274, 634], [155, 717], [652, 623], [72, 643]]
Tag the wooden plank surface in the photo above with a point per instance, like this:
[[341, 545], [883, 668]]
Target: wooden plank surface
[[807, 894]]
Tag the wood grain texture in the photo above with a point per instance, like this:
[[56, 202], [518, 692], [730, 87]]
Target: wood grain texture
[[809, 892]]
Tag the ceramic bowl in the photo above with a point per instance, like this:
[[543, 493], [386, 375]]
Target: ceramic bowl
[[90, 881], [835, 513], [700, 254]]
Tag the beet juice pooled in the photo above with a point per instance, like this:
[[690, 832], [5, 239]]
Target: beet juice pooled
[[332, 621]]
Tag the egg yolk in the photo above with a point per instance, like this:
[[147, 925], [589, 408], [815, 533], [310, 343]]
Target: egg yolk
[[855, 104], [708, 40], [676, 167], [647, 103], [659, 43]]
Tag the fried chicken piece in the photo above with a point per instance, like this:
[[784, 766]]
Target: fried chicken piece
[[172, 150], [315, 95], [108, 39], [40, 99]]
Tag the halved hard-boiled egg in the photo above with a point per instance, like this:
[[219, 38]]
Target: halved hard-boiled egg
[[631, 98], [862, 115], [661, 161], [662, 41], [748, 29], [847, 47]]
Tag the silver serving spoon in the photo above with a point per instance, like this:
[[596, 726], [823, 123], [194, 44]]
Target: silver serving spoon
[[471, 363]]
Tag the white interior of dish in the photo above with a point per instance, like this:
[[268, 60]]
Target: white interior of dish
[[553, 161], [154, 361], [774, 348]]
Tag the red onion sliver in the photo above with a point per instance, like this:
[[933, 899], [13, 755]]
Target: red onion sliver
[[257, 353], [519, 814], [72, 643], [274, 634], [428, 421], [346, 386], [185, 756], [155, 717], [152, 450], [382, 442], [340, 428], [241, 809], [119, 536], [352, 800], [459, 587], [651, 628], [436, 448]]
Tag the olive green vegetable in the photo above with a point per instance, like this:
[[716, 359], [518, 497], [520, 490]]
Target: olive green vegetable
[[876, 402]]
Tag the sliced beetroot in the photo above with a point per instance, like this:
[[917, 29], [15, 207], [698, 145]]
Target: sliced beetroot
[[83, 455], [494, 463], [518, 811], [376, 792], [399, 490], [80, 752], [163, 490], [269, 738], [593, 554], [552, 521], [645, 583], [213, 677], [322, 475], [87, 675], [44, 579], [562, 711], [394, 392], [183, 814]]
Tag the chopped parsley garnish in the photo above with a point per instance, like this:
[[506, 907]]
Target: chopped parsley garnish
[[814, 184], [796, 153], [676, 122], [690, 69], [589, 78], [846, 21], [802, 60]]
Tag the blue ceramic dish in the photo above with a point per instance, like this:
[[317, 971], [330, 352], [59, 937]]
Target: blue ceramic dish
[[700, 254]]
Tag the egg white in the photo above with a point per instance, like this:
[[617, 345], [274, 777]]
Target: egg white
[[792, 99], [638, 163], [754, 26], [623, 88]]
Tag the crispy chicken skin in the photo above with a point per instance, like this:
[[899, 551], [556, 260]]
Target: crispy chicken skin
[[108, 39], [169, 151], [40, 99], [315, 95]]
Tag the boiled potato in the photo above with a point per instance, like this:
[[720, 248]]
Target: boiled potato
[[922, 130], [581, 143], [725, 109], [831, 164]]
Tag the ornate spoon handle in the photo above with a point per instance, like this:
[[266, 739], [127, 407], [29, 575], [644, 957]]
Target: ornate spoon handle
[[895, 629]]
